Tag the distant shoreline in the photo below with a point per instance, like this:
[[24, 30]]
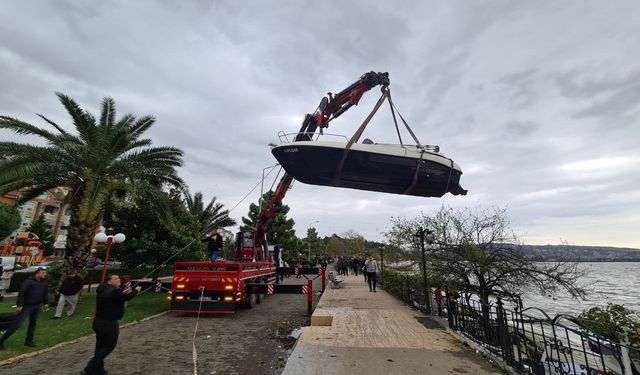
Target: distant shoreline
[[593, 260]]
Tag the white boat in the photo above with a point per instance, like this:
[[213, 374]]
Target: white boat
[[399, 169]]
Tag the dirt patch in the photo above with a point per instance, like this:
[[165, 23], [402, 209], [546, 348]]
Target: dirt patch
[[253, 341]]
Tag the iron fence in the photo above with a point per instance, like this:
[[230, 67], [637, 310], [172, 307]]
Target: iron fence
[[529, 340]]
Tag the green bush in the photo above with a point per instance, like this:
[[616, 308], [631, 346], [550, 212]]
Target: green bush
[[399, 283], [612, 322]]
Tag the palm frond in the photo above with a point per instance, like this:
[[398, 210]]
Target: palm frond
[[142, 125], [96, 193], [138, 144], [108, 112], [125, 122], [211, 216], [23, 128], [173, 180], [30, 175], [86, 128], [36, 190], [11, 150], [155, 156], [62, 131]]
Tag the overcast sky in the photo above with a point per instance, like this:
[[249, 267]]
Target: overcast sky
[[538, 102]]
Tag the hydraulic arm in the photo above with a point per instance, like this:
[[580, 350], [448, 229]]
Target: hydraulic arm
[[252, 245]]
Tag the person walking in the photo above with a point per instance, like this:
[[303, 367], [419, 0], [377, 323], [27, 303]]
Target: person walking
[[110, 300], [32, 299], [298, 265], [69, 291], [354, 265], [214, 245], [437, 294], [371, 268], [364, 270]]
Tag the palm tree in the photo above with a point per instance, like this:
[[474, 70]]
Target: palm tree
[[104, 159], [211, 216]]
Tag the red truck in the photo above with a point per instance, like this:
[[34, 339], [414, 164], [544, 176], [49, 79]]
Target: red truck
[[219, 287]]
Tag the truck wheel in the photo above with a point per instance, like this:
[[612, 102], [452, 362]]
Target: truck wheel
[[252, 299], [261, 296]]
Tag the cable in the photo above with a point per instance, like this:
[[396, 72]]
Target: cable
[[194, 352], [208, 229], [251, 191]]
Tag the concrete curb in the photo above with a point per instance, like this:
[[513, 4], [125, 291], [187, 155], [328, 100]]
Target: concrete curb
[[24, 356]]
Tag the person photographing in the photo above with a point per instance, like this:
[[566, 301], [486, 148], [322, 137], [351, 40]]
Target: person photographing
[[110, 300]]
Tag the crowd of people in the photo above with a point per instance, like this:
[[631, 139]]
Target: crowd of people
[[358, 265]]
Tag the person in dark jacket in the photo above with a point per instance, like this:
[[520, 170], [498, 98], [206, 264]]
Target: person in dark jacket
[[214, 245], [69, 291], [33, 296], [110, 301]]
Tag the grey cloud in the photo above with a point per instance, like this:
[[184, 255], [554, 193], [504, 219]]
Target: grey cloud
[[614, 94], [486, 82], [519, 86]]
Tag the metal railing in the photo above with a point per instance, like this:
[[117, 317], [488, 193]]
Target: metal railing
[[290, 137], [537, 344], [528, 340]]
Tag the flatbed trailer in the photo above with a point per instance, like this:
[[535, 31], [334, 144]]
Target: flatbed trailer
[[218, 287]]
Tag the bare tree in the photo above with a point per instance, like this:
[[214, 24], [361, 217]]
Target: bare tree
[[477, 250]]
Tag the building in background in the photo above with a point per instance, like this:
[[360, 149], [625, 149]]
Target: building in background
[[56, 213]]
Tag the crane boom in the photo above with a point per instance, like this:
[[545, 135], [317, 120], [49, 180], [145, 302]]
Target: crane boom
[[252, 245]]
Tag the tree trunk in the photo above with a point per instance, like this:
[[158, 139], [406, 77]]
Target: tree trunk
[[486, 316], [79, 240]]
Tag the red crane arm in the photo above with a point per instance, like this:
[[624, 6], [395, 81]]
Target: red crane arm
[[331, 106]]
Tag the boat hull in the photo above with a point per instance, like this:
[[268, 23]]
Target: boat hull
[[315, 164]]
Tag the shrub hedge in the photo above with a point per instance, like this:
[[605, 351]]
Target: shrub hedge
[[92, 276], [400, 283]]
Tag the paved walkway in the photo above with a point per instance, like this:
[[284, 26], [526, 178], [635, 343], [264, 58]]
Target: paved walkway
[[356, 332]]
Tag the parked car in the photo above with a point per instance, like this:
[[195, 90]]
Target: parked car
[[35, 267], [111, 265]]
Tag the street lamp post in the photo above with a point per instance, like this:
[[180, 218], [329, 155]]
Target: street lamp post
[[110, 239], [422, 235], [309, 242], [382, 257], [381, 261]]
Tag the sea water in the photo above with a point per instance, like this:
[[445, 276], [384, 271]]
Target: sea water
[[604, 282]]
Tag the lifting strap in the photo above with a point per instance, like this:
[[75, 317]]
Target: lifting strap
[[356, 136], [394, 109], [386, 94], [446, 189], [414, 182], [395, 121]]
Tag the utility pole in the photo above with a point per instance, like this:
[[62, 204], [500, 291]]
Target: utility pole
[[422, 235]]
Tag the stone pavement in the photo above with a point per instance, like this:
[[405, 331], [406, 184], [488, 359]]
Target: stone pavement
[[354, 331]]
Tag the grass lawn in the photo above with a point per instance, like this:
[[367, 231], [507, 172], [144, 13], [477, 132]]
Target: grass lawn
[[51, 332]]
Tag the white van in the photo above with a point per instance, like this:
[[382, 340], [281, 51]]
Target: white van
[[7, 265]]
